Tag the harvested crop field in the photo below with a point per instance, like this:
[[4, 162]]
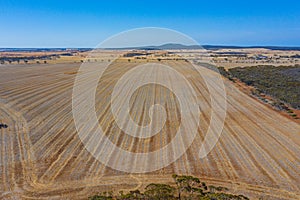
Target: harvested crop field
[[43, 157]]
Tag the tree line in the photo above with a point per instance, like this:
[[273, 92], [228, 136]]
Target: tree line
[[185, 187]]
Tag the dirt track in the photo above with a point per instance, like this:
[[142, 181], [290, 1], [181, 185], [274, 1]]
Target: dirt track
[[42, 155]]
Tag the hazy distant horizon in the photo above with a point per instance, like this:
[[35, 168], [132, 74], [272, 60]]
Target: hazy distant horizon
[[92, 47], [204, 45]]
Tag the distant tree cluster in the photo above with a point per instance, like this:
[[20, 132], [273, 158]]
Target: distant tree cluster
[[10, 59], [187, 187]]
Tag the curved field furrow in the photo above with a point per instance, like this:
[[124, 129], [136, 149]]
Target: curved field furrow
[[42, 156], [17, 159]]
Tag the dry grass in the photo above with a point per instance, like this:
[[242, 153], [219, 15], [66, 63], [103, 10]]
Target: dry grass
[[257, 154]]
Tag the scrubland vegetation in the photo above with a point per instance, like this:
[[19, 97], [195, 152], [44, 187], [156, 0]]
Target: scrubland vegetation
[[282, 83], [186, 187]]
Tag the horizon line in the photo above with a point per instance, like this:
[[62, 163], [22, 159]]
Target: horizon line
[[205, 45]]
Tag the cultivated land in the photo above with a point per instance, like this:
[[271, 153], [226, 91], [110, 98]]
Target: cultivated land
[[42, 156]]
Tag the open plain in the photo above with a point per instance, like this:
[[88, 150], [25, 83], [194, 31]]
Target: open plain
[[42, 156]]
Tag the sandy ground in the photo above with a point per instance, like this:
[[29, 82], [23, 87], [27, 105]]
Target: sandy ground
[[227, 58], [42, 156]]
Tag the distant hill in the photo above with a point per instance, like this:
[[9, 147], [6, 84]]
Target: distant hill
[[207, 47], [213, 47]]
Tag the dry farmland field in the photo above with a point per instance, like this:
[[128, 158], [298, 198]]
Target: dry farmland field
[[42, 156]]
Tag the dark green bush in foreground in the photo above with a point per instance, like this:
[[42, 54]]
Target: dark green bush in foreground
[[187, 187]]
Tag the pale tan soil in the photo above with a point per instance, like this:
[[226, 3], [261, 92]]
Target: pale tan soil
[[77, 57], [274, 57], [248, 90], [257, 154]]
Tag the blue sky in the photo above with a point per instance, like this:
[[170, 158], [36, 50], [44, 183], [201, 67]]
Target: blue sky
[[63, 23]]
